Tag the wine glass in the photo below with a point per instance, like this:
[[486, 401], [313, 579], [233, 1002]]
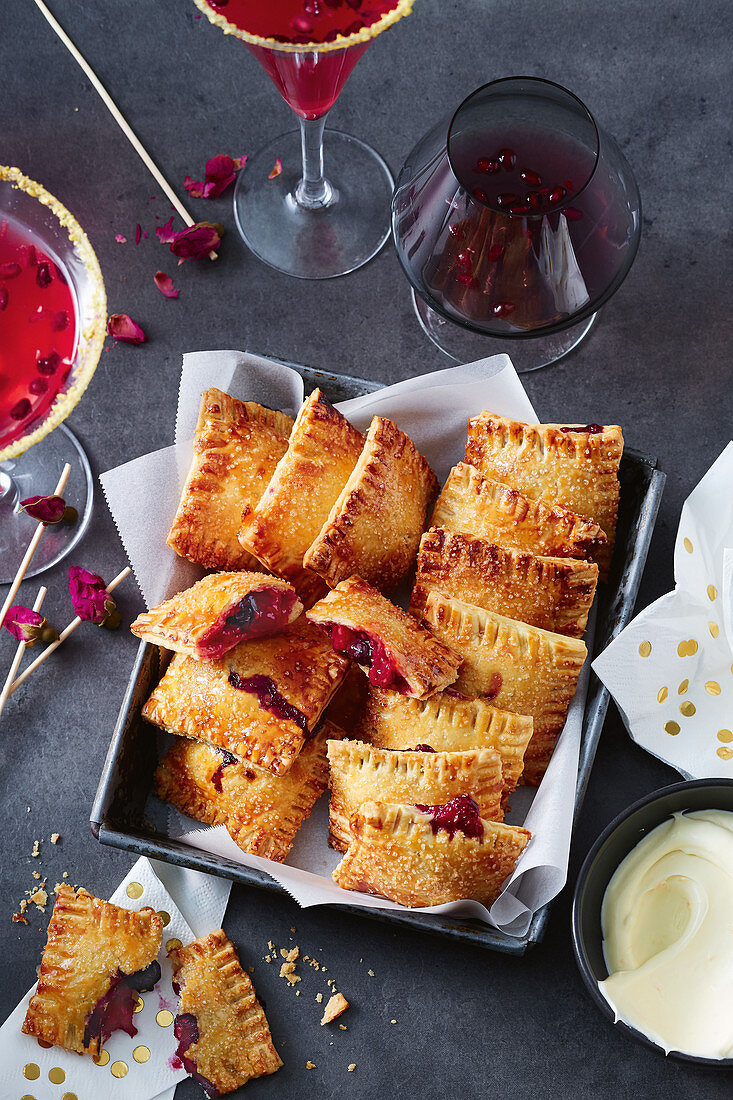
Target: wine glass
[[53, 314], [300, 220], [515, 221]]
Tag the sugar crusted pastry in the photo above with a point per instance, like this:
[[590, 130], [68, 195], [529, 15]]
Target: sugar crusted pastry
[[387, 643], [518, 667], [362, 773], [261, 701], [322, 451], [97, 957], [446, 722], [374, 527], [218, 612], [223, 1036], [553, 593], [483, 508], [419, 857], [237, 446], [573, 465]]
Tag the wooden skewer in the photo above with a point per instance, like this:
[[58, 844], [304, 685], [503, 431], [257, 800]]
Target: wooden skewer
[[32, 547], [22, 646], [63, 635]]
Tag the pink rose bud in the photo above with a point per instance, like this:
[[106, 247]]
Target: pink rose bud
[[45, 509], [89, 596], [24, 624]]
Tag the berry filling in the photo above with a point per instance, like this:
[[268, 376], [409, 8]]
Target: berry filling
[[368, 650], [461, 814], [113, 1011], [270, 698], [494, 687], [423, 748], [226, 763], [258, 615], [591, 429], [186, 1030]]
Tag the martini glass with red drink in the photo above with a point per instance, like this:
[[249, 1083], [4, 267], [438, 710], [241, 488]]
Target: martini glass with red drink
[[52, 326], [314, 220]]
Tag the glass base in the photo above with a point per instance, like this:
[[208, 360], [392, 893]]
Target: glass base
[[320, 243], [35, 473], [465, 346]]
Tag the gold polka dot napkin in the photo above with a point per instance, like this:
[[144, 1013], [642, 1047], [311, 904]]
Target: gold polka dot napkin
[[671, 670]]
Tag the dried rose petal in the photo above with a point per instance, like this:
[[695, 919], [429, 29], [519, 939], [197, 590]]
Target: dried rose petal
[[89, 596], [220, 173], [276, 170], [166, 233], [46, 510], [24, 624], [120, 238], [164, 284], [124, 328], [138, 233]]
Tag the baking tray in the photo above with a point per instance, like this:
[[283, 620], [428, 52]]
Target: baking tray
[[118, 815]]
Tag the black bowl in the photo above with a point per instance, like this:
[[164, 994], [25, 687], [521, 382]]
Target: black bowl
[[612, 846]]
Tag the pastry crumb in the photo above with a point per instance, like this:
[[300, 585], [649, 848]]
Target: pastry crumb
[[393, 1021], [293, 929], [343, 1027], [370, 973], [39, 898], [18, 918], [319, 997], [286, 969], [36, 874], [352, 1067], [310, 1065], [55, 838], [297, 992], [335, 1007], [65, 874], [271, 945], [36, 849]]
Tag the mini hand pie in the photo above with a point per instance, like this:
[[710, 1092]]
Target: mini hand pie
[[218, 613], [223, 1036], [97, 958], [481, 507], [375, 525], [520, 668], [446, 722], [386, 642], [419, 856], [322, 451], [237, 446], [553, 593], [260, 702], [569, 465], [361, 773]]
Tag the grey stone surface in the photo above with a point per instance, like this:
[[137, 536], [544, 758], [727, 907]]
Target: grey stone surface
[[469, 1023]]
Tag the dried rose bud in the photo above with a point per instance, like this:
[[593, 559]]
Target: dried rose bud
[[219, 174], [46, 510], [89, 596], [122, 327], [70, 514], [193, 243], [24, 624]]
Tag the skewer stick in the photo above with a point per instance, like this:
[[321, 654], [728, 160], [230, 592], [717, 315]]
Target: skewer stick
[[32, 547], [22, 646], [63, 635]]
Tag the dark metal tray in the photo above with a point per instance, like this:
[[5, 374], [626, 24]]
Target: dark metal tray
[[118, 815]]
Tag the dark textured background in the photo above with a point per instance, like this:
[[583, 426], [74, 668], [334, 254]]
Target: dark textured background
[[657, 75]]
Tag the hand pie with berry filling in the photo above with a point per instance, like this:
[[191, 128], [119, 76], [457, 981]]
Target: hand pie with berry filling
[[261, 811], [261, 701], [218, 613], [349, 699], [429, 855], [446, 722], [97, 958], [236, 447], [576, 466], [223, 1036], [518, 667], [552, 593], [374, 527], [322, 451], [483, 508], [387, 643], [362, 773]]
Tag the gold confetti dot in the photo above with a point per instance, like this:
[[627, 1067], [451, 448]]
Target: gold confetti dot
[[725, 735], [102, 1058], [31, 1072], [69, 1096], [714, 630], [672, 728], [118, 1069], [662, 694], [171, 945], [725, 753], [712, 687], [687, 648], [645, 649], [139, 1005], [164, 1018], [141, 1054], [712, 592], [683, 687], [56, 1076], [687, 545], [687, 709], [44, 1044], [134, 890], [165, 917]]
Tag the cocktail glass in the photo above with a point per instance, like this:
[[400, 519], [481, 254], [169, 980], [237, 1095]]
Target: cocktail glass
[[39, 386], [302, 221], [514, 221]]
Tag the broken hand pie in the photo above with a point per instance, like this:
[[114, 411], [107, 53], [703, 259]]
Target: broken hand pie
[[218, 613]]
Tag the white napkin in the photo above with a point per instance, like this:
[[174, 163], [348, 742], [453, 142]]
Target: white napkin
[[25, 1065], [432, 409], [671, 670]]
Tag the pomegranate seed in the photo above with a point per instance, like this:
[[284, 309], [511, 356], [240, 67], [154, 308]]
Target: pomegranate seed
[[568, 184], [465, 279], [572, 214], [507, 159], [531, 177], [456, 231], [480, 194], [301, 24], [312, 7], [3, 298], [60, 321], [534, 199], [503, 309], [38, 385], [9, 271], [557, 194], [520, 208], [43, 275], [507, 198], [21, 410], [331, 36], [464, 259], [483, 164], [332, 3], [496, 252], [47, 364]]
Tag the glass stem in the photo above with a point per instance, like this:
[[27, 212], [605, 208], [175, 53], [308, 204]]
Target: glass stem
[[314, 190]]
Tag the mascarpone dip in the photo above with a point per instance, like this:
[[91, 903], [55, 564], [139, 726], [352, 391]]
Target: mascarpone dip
[[667, 920]]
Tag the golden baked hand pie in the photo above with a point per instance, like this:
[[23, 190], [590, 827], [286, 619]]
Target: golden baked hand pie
[[484, 508], [570, 465], [518, 667], [348, 700], [552, 593], [322, 451], [219, 612], [261, 811], [97, 958], [223, 1036], [429, 855], [362, 773], [447, 722], [261, 701], [386, 642], [237, 446], [375, 525]]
